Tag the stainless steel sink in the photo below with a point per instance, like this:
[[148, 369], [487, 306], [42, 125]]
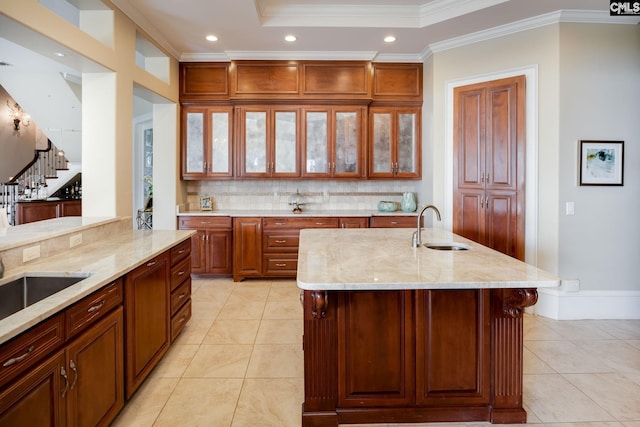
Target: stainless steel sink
[[33, 287], [447, 246]]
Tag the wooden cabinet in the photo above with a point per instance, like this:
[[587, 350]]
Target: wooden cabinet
[[247, 248], [35, 399], [354, 222], [147, 312], [333, 142], [394, 143], [211, 246], [393, 221], [81, 384], [180, 287], [268, 144], [27, 212], [488, 175], [207, 147]]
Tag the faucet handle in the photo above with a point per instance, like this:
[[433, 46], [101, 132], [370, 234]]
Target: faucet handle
[[414, 240]]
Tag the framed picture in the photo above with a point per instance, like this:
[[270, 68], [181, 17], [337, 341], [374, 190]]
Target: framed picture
[[206, 203], [601, 162]]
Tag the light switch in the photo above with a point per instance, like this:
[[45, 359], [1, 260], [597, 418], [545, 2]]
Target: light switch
[[570, 208]]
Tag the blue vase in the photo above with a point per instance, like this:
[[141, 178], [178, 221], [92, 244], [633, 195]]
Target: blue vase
[[409, 202]]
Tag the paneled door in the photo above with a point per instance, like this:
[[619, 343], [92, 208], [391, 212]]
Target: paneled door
[[489, 164]]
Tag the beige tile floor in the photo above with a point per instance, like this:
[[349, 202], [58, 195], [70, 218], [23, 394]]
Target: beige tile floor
[[238, 363]]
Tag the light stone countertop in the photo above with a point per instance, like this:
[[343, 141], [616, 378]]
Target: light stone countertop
[[305, 213], [106, 260], [383, 259]]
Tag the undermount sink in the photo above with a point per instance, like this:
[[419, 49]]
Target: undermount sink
[[447, 246], [33, 287]]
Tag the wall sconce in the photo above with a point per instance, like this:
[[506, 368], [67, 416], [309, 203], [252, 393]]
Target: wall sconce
[[19, 117]]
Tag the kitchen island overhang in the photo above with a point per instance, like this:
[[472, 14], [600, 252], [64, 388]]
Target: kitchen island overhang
[[400, 334]]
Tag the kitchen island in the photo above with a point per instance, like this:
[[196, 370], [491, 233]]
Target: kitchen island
[[394, 333]]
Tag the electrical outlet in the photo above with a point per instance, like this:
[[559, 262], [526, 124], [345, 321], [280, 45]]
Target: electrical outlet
[[570, 208], [31, 253], [75, 240]]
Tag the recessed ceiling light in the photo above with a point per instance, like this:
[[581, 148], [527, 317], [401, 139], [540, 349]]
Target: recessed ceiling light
[[212, 38], [60, 54], [390, 39], [290, 38]]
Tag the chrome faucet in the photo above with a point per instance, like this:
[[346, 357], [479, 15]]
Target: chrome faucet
[[416, 240]]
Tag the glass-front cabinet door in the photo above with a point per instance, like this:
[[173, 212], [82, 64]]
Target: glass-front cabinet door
[[394, 143], [268, 142], [207, 143], [333, 142]]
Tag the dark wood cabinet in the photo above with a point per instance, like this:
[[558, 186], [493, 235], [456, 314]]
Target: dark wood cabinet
[[211, 246], [147, 311], [395, 143], [354, 222], [27, 212], [247, 248], [35, 398], [394, 221], [207, 142], [180, 288]]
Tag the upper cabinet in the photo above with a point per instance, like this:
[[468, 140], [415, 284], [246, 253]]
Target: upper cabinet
[[206, 142], [333, 141], [394, 143], [301, 119], [268, 142]]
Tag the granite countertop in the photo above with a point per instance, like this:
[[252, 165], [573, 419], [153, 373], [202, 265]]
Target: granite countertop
[[383, 259], [106, 260], [305, 213]]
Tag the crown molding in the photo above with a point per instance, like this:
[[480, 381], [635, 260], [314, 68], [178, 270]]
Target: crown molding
[[204, 57], [302, 55], [398, 57], [564, 16]]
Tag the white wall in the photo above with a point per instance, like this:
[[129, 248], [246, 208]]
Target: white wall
[[600, 99]]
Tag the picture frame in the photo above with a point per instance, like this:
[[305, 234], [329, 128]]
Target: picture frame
[[206, 204], [601, 162]]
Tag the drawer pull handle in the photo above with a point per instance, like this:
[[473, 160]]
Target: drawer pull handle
[[63, 374], [205, 222], [181, 272], [96, 307], [281, 265], [18, 359], [151, 263], [182, 319], [181, 251], [75, 371], [281, 241], [394, 222], [182, 295], [280, 223], [320, 223]]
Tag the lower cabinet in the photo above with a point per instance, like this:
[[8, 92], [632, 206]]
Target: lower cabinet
[[211, 246], [147, 319], [81, 384], [27, 212], [247, 248]]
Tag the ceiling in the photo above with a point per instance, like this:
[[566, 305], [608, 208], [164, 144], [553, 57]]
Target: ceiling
[[341, 29]]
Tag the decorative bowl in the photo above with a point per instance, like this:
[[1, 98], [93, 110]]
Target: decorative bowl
[[387, 206]]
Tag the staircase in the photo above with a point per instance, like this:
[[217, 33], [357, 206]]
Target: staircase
[[49, 167]]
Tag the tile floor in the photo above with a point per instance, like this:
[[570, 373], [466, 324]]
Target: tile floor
[[238, 363]]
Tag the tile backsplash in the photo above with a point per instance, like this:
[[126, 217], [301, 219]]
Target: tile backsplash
[[320, 195]]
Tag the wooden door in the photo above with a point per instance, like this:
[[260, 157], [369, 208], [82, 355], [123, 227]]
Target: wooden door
[[219, 252], [147, 312], [375, 329], [198, 252], [247, 248], [452, 347], [489, 165], [96, 370], [36, 398]]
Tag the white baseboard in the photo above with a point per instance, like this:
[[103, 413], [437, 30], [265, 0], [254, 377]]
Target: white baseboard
[[563, 305]]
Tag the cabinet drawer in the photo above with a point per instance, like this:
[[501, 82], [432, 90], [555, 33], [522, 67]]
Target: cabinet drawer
[[180, 295], [180, 251], [310, 222], [180, 272], [281, 265], [88, 310], [204, 222], [180, 319], [392, 222], [24, 351], [278, 241]]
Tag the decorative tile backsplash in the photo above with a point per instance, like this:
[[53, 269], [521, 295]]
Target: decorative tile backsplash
[[274, 195]]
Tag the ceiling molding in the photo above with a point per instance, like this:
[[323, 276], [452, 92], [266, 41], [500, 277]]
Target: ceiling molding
[[302, 55], [145, 25], [578, 16], [204, 57], [273, 13], [398, 57]]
